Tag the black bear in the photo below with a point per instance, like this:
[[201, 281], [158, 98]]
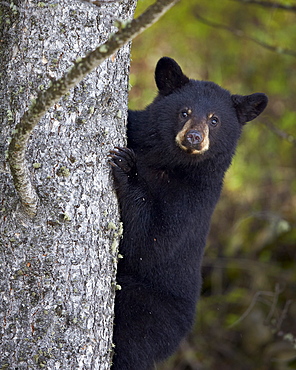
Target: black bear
[[168, 181]]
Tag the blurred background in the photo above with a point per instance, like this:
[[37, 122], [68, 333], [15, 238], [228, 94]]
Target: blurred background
[[246, 318]]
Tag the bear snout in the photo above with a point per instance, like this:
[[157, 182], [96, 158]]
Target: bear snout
[[193, 140], [194, 137]]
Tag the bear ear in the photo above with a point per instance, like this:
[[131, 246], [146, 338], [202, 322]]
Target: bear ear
[[169, 76], [249, 107]]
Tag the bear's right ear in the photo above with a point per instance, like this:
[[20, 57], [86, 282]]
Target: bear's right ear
[[169, 76]]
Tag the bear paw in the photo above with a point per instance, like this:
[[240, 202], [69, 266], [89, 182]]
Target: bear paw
[[123, 159]]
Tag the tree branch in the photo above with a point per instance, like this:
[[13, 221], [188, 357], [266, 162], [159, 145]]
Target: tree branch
[[266, 4], [255, 299], [240, 34], [280, 133], [45, 99]]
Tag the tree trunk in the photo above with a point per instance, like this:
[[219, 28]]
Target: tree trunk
[[58, 269]]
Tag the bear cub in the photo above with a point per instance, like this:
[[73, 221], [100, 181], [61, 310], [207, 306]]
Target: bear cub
[[168, 180]]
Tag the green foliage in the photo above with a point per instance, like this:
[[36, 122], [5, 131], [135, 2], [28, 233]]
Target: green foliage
[[246, 317]]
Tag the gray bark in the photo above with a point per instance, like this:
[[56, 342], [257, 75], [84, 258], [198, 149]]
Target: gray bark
[[46, 98], [58, 268]]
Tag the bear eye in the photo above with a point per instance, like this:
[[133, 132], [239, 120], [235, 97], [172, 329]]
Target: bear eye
[[214, 121], [184, 113]]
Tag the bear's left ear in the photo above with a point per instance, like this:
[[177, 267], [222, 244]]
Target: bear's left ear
[[249, 107], [169, 76]]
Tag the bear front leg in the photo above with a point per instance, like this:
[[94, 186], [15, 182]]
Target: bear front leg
[[131, 189]]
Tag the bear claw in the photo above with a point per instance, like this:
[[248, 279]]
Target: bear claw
[[124, 159]]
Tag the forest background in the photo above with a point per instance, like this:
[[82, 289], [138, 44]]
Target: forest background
[[246, 316]]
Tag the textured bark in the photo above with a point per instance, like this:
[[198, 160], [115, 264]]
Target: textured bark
[[57, 269], [45, 99]]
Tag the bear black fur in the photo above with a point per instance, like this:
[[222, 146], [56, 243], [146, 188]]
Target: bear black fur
[[168, 181]]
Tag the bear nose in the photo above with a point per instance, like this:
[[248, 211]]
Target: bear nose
[[194, 137]]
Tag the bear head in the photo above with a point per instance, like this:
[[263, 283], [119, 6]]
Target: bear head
[[200, 118]]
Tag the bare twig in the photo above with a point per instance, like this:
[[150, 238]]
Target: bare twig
[[275, 299], [255, 299], [277, 292], [45, 99], [268, 4], [242, 263], [242, 35], [283, 315], [282, 134]]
